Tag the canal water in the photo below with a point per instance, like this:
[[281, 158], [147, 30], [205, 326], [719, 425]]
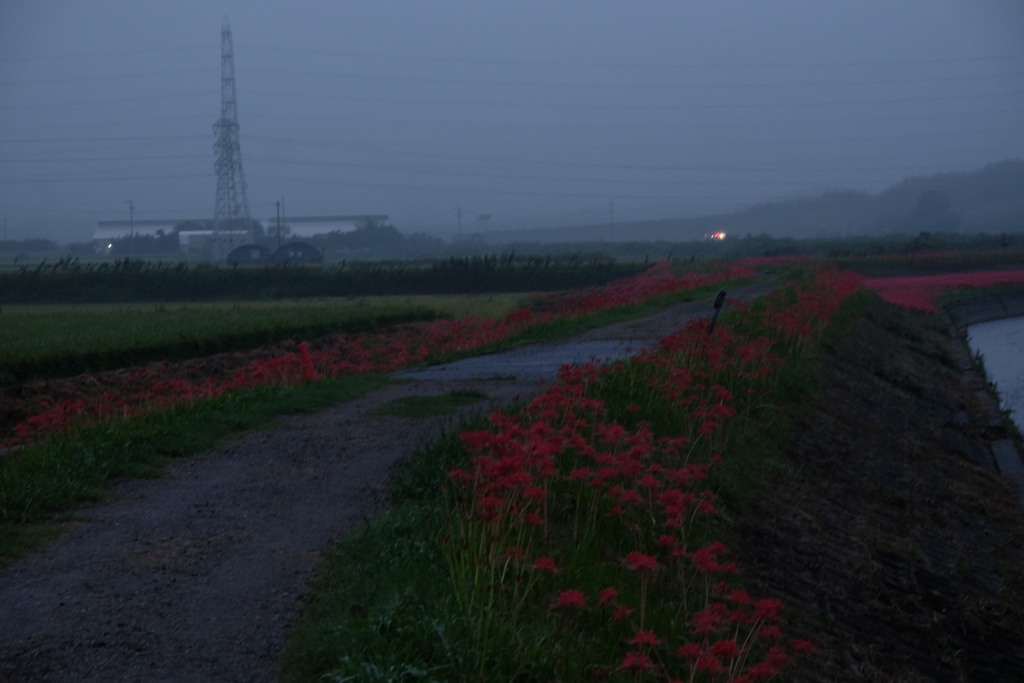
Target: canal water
[[1001, 345]]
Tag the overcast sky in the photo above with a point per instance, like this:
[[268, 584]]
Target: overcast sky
[[533, 111]]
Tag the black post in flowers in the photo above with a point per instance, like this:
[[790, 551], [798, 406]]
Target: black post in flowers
[[719, 302]]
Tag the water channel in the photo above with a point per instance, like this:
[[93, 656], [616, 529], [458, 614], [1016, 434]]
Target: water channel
[[1001, 346]]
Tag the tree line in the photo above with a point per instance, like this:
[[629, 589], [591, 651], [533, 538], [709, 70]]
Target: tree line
[[69, 280]]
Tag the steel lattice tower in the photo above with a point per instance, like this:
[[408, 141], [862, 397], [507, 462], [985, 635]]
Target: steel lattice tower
[[231, 211]]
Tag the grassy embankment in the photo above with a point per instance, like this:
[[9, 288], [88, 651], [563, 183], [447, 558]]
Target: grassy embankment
[[585, 534]]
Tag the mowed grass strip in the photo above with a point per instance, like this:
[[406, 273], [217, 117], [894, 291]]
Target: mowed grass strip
[[48, 341], [430, 406]]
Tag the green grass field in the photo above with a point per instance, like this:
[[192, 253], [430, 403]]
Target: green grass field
[[49, 340]]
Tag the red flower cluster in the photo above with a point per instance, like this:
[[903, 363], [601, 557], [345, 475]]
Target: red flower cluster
[[563, 479], [919, 292], [350, 354]]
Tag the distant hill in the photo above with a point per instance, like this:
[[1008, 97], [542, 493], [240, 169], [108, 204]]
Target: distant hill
[[988, 200]]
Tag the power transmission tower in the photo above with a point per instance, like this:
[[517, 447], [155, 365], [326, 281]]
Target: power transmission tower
[[231, 210]]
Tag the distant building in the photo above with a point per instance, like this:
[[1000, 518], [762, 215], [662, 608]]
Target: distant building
[[312, 226], [297, 253], [250, 255], [196, 235]]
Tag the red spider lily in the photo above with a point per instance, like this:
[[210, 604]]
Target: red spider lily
[[709, 663], [710, 619], [803, 646], [649, 481], [623, 479], [545, 564], [607, 596], [534, 493], [514, 552], [621, 612], [308, 372], [706, 558], [646, 637], [725, 649], [571, 598], [489, 502], [666, 541], [919, 292], [690, 650], [767, 608], [640, 562], [352, 353], [636, 660]]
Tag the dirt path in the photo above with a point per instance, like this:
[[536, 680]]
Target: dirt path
[[195, 576]]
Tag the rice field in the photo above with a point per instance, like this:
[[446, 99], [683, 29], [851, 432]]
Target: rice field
[[37, 336]]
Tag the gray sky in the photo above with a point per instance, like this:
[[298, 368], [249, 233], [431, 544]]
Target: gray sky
[[535, 112]]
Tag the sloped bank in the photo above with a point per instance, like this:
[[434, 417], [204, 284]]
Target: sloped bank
[[983, 308], [895, 542]]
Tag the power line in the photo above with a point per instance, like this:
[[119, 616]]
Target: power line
[[477, 173], [103, 77], [78, 56], [118, 138], [474, 154], [62, 160], [638, 106], [460, 124], [110, 100], [95, 178], [675, 84], [598, 196], [532, 103], [420, 59]]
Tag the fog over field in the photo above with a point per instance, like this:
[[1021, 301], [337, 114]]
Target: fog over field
[[494, 116]]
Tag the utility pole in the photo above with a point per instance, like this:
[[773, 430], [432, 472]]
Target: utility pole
[[458, 212], [131, 227], [278, 224], [611, 219]]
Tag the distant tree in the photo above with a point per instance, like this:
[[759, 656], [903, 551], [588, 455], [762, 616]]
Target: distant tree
[[166, 242], [32, 244], [423, 244], [369, 234], [932, 213], [256, 230], [186, 226], [368, 224]]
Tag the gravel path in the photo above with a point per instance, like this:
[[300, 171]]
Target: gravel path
[[195, 576]]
